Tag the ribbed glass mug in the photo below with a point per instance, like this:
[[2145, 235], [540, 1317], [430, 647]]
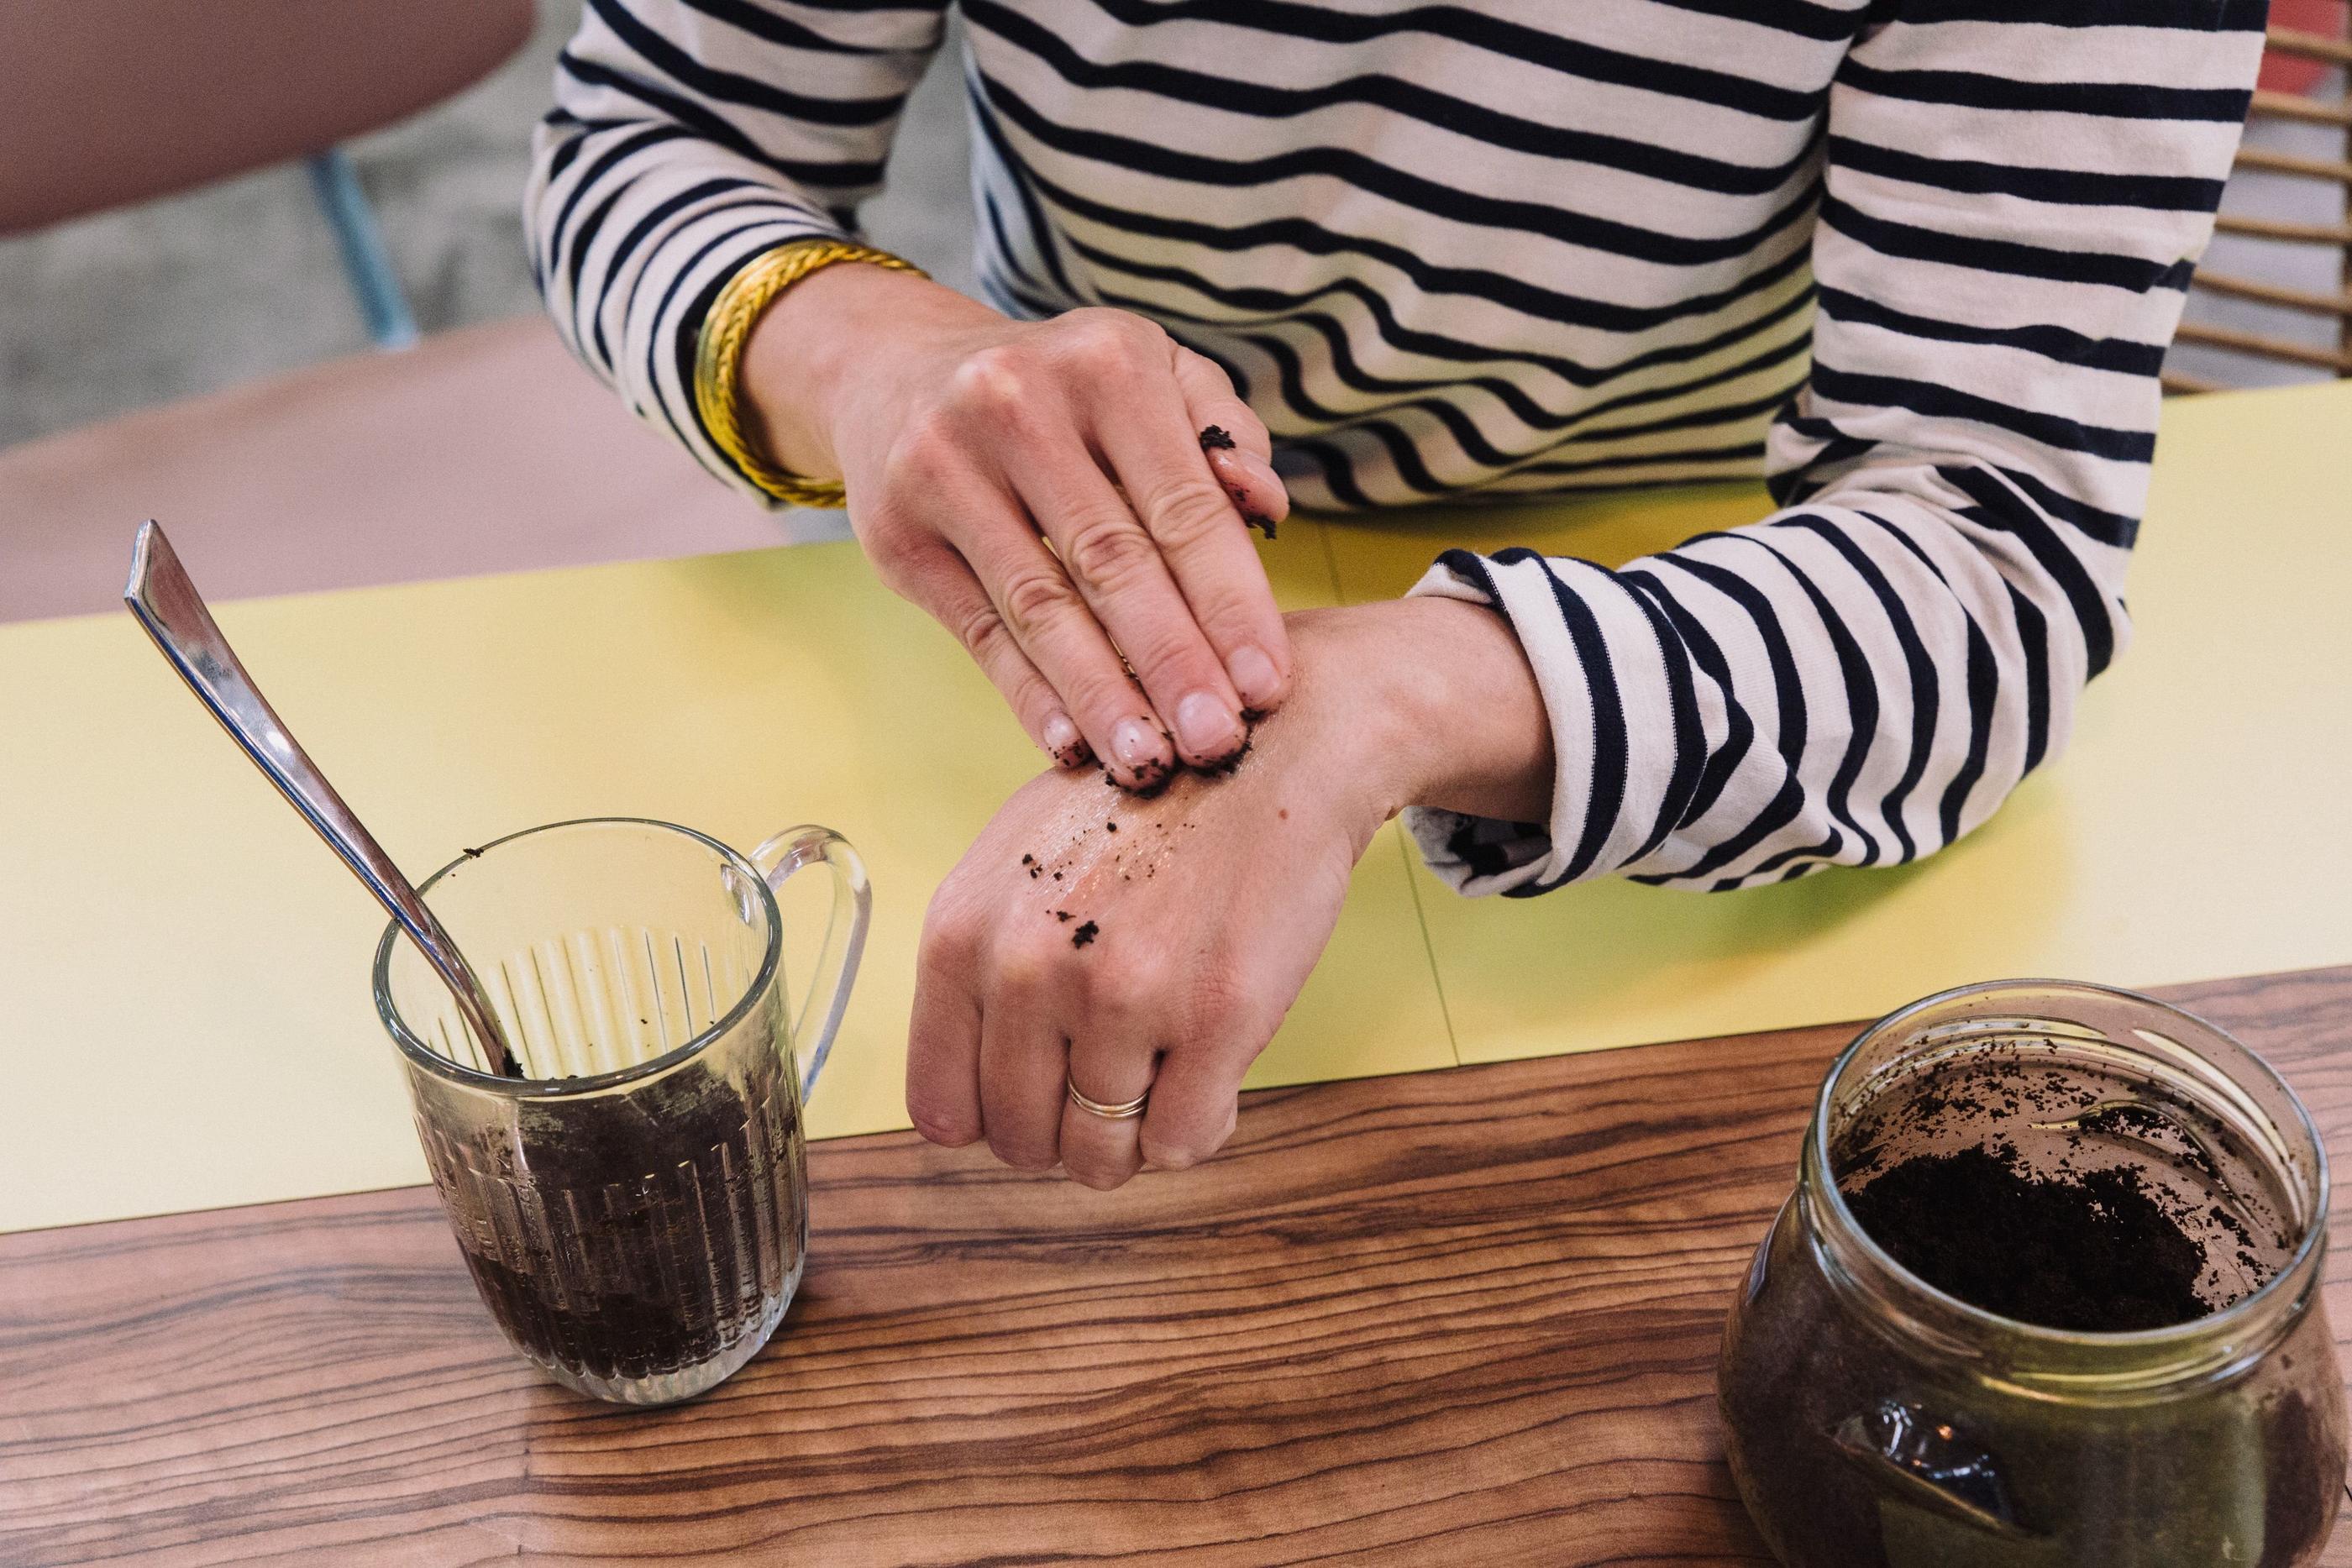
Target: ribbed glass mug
[[1873, 1421], [634, 1209]]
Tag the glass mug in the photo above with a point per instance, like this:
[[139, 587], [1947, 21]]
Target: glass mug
[[1873, 1421], [634, 1209]]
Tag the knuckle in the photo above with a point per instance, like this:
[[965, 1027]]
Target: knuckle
[[996, 380], [918, 460], [1027, 967], [1171, 655], [895, 551], [1106, 552], [951, 937], [1035, 597], [928, 440], [1189, 512], [981, 629], [1134, 998], [1117, 338]]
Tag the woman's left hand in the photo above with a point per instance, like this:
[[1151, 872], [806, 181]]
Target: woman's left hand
[[1127, 945]]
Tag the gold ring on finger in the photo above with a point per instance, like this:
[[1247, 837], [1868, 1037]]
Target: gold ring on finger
[[1118, 1113]]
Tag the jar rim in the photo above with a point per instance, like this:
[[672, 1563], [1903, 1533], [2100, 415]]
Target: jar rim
[[2257, 1303], [457, 1073]]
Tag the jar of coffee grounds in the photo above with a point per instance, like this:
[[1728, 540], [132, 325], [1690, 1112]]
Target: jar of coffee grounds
[[2047, 1295]]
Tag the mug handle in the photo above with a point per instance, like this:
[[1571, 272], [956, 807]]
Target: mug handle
[[845, 931]]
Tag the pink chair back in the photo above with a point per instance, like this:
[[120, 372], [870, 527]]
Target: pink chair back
[[104, 102]]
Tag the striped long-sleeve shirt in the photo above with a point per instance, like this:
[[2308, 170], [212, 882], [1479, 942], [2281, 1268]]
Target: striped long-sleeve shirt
[[1916, 261]]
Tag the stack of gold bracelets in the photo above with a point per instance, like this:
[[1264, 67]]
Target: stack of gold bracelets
[[718, 357]]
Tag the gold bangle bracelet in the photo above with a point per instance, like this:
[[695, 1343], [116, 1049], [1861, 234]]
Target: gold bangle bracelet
[[718, 357]]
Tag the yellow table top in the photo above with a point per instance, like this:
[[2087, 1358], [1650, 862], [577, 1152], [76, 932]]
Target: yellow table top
[[186, 968], [2188, 833]]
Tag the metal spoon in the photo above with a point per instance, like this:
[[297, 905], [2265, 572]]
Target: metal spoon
[[160, 595]]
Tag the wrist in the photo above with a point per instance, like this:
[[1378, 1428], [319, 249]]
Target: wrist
[[1441, 707], [823, 349]]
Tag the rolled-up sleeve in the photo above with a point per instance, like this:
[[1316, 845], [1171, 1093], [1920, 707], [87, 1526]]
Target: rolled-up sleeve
[[2010, 214], [690, 137]]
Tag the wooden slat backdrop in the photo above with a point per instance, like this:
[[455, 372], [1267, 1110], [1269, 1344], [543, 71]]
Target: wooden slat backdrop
[[2327, 50], [1459, 1317]]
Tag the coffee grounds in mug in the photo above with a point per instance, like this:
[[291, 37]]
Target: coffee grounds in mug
[[656, 1250]]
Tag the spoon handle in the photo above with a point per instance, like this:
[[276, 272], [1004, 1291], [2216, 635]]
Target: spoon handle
[[168, 605]]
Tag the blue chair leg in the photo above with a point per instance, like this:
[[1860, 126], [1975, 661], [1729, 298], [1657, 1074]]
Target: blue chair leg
[[389, 322]]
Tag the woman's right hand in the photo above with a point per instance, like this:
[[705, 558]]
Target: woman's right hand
[[970, 443]]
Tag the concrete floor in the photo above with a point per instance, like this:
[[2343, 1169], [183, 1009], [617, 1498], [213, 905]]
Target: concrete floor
[[241, 279]]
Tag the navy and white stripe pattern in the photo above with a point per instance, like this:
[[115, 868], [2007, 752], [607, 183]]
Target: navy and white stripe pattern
[[1916, 261]]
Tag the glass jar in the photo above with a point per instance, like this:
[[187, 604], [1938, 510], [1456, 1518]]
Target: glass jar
[[1872, 1419]]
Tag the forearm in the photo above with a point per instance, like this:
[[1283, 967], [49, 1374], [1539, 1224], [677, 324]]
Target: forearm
[[1856, 682]]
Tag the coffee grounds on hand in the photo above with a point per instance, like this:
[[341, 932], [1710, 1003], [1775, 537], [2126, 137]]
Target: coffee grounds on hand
[[1216, 438], [2096, 1252], [1154, 783]]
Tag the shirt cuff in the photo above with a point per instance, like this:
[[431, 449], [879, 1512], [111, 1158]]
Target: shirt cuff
[[1617, 690]]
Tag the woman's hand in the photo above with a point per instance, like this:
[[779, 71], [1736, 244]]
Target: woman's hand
[[964, 436], [1130, 945]]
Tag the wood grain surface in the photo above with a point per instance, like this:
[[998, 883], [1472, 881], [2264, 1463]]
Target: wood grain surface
[[1453, 1318]]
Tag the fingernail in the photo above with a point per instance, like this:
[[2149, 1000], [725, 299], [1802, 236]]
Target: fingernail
[[1062, 740], [1254, 676], [1138, 744], [1206, 726], [1257, 468], [1241, 466]]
